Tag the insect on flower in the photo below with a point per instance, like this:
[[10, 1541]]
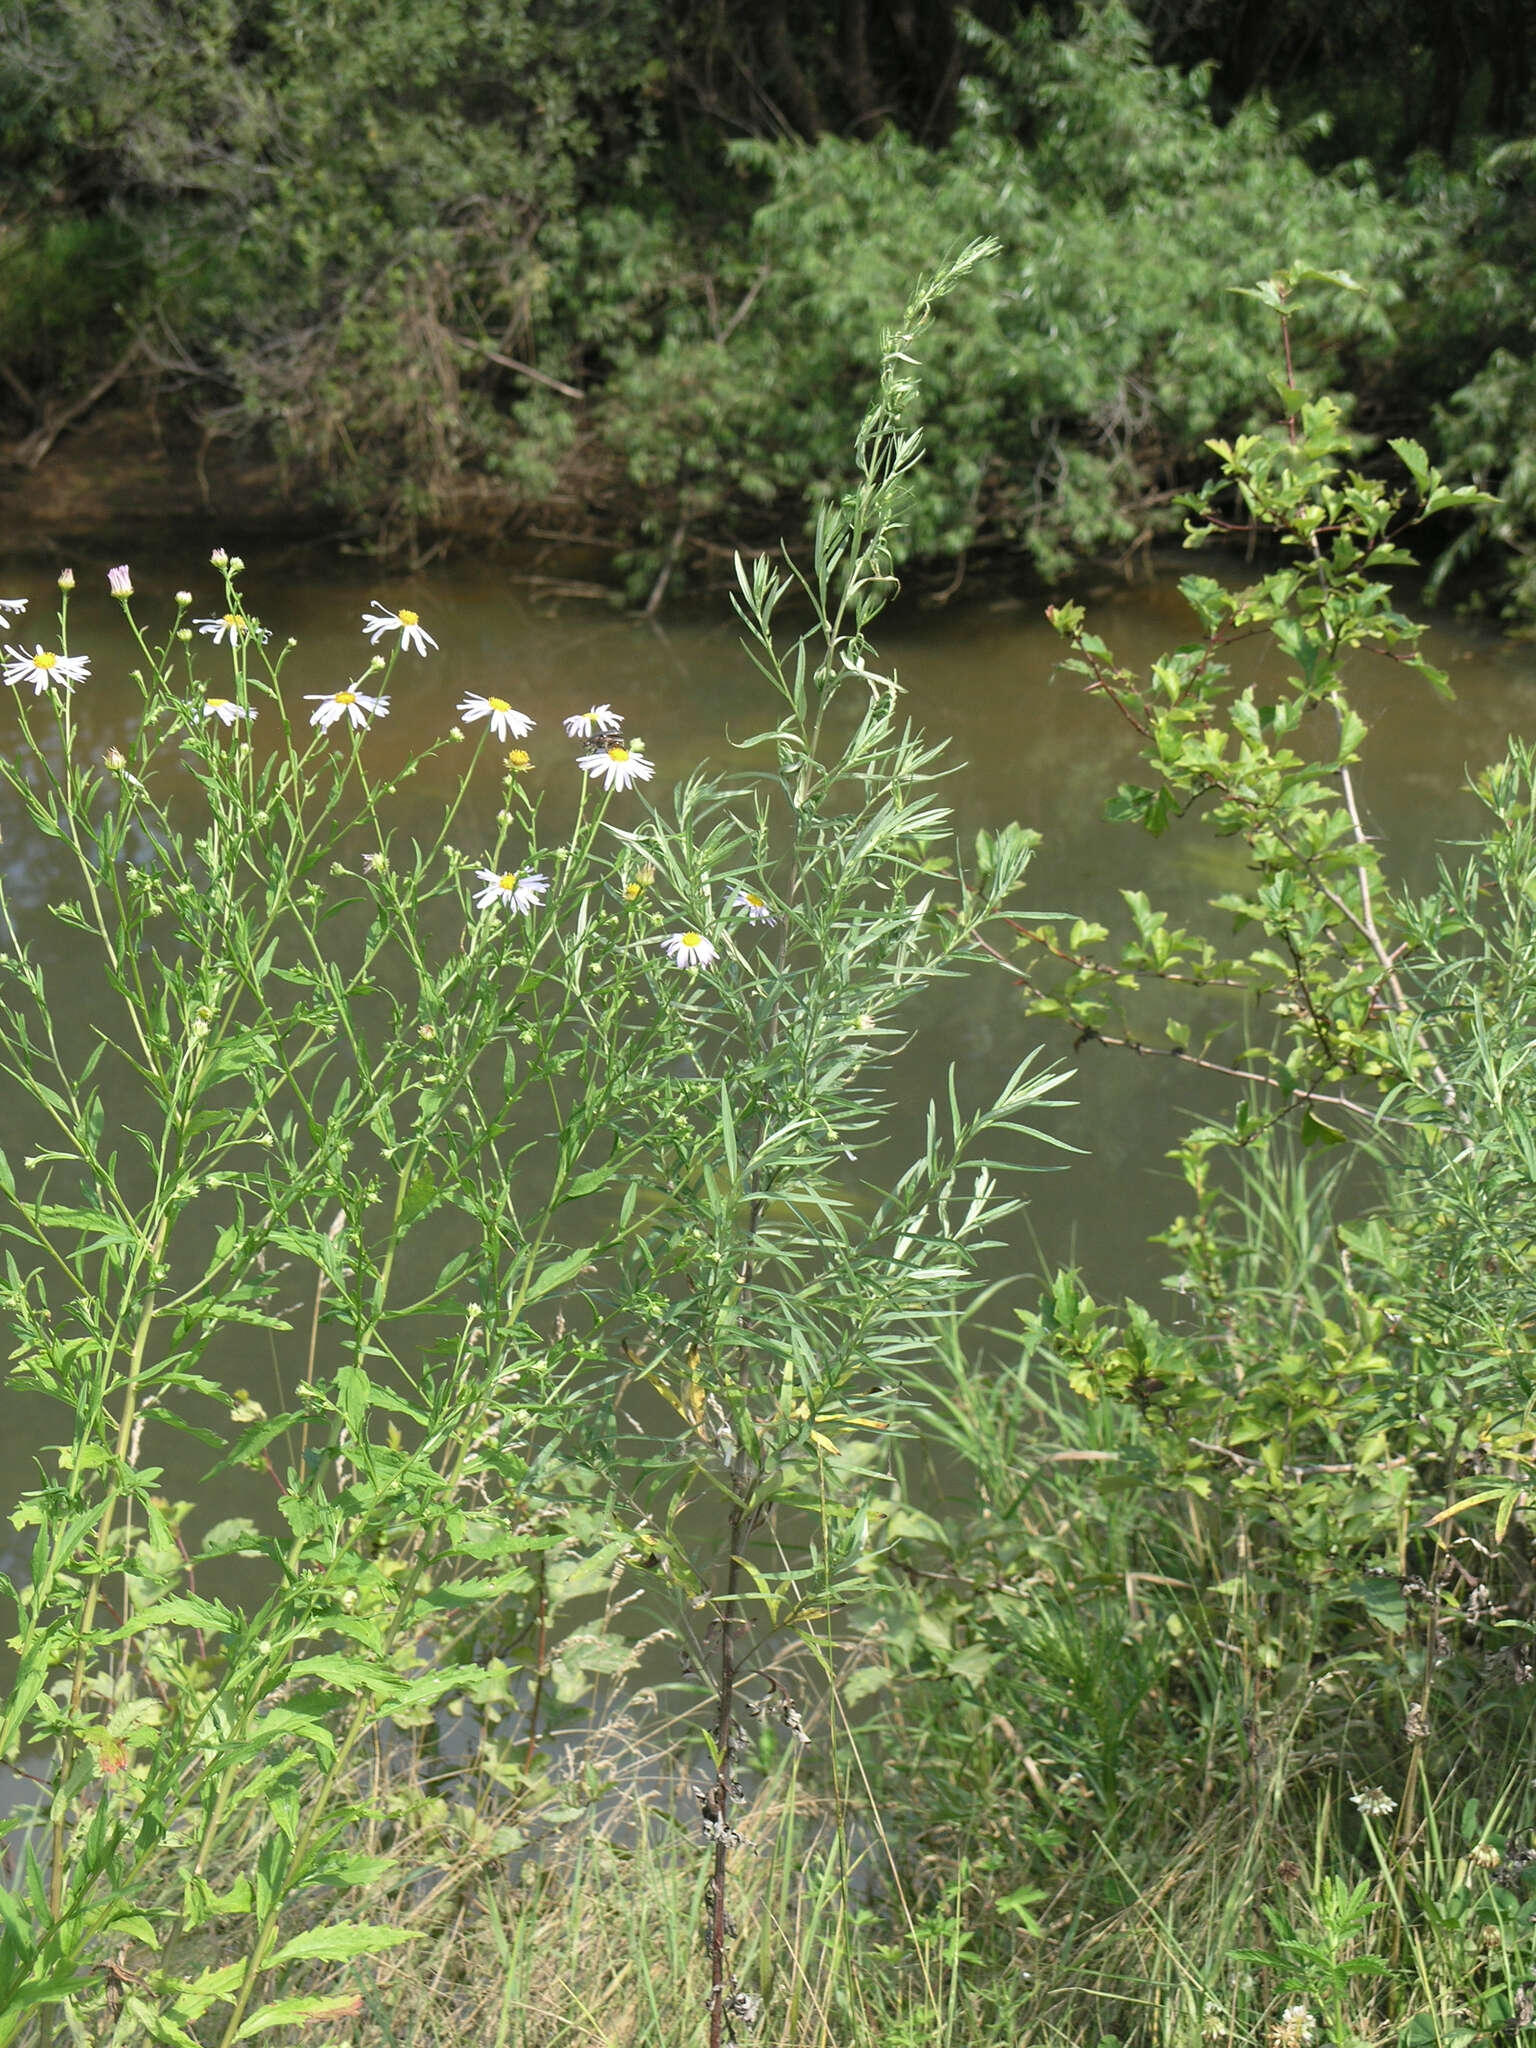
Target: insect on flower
[[407, 624], [505, 722]]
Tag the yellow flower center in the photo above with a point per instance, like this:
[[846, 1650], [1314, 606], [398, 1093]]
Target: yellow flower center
[[345, 697], [45, 661], [618, 753], [752, 902], [414, 619], [631, 891], [219, 703], [518, 759], [507, 882], [498, 703], [691, 939]]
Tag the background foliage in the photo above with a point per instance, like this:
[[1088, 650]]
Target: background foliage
[[621, 270]]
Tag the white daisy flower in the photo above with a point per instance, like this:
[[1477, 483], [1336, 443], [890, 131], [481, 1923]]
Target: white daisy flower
[[350, 704], [512, 891], [594, 724], [231, 628], [505, 722], [690, 949], [120, 581], [43, 670], [754, 908], [618, 765], [407, 624], [15, 606], [225, 710]]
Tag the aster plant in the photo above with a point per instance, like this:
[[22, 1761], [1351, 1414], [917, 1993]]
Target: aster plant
[[530, 1178]]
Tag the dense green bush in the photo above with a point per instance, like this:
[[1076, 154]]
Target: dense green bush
[[460, 264], [1202, 1661]]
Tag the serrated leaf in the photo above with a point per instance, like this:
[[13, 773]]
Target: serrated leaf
[[336, 1944]]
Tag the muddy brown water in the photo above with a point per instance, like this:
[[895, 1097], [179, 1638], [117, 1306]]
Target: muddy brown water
[[1027, 745]]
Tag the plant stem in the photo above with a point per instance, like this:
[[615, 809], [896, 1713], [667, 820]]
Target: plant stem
[[720, 1793]]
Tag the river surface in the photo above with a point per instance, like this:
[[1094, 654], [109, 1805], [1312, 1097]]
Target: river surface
[[1027, 745]]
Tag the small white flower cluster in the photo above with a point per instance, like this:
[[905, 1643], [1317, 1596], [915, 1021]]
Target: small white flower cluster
[[692, 950], [357, 707], [1296, 2028], [618, 764], [1373, 1802]]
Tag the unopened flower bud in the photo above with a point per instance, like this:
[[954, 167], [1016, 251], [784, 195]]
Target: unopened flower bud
[[66, 579], [115, 759], [235, 565], [183, 598], [219, 558], [184, 634], [120, 582]]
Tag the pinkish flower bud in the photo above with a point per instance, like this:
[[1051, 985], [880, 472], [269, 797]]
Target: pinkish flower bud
[[66, 579], [120, 582]]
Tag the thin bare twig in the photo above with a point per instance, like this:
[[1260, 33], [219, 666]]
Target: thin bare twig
[[494, 355]]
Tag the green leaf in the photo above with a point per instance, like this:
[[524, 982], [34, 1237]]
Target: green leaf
[[420, 1196], [299, 2012], [336, 1944], [1414, 460], [556, 1275], [189, 1610], [1315, 1132]]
